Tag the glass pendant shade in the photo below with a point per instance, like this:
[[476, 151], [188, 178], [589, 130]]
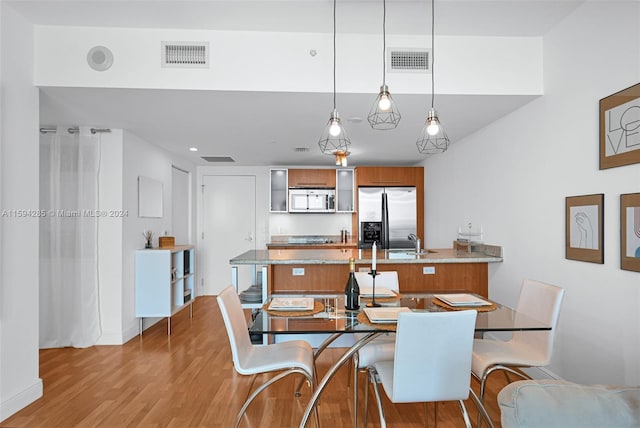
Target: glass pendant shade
[[433, 138], [384, 114], [334, 137]]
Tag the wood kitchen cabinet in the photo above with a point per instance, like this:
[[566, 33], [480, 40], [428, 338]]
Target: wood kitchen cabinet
[[312, 178], [389, 176], [330, 278]]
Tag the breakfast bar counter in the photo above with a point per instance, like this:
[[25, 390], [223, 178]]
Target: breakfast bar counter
[[326, 270], [341, 256]]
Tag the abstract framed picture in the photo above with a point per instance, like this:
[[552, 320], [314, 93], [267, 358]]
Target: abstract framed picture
[[630, 232], [620, 128], [584, 228]]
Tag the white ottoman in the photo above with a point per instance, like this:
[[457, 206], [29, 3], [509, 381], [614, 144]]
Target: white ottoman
[[552, 403]]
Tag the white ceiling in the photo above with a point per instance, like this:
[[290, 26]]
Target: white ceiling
[[245, 125]]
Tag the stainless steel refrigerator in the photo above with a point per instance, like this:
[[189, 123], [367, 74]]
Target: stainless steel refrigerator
[[386, 215]]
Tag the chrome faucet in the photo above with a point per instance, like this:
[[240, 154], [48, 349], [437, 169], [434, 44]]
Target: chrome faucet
[[414, 238]]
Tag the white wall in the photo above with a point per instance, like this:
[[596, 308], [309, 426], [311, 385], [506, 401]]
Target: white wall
[[19, 381], [309, 224], [512, 178], [467, 65], [142, 158]]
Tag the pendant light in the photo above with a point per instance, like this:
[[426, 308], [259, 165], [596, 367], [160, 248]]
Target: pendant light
[[341, 158], [334, 138], [433, 139], [384, 114]]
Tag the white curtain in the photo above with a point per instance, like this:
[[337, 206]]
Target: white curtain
[[69, 307]]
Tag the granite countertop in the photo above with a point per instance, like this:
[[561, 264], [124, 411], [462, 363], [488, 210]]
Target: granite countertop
[[341, 256]]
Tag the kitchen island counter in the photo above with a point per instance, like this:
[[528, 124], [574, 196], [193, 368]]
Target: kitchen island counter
[[341, 256], [304, 271]]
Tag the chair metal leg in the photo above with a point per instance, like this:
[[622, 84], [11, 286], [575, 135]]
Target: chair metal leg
[[485, 376], [253, 380], [355, 362], [366, 399], [435, 414], [465, 415], [426, 415], [328, 341], [482, 411], [373, 375], [261, 388], [332, 371]]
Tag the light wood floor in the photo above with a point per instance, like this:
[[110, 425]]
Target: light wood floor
[[187, 380]]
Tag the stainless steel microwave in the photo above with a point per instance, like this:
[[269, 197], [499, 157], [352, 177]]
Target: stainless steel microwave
[[312, 200]]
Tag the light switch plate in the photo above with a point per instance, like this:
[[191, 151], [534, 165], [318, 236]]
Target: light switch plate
[[429, 270], [297, 271]]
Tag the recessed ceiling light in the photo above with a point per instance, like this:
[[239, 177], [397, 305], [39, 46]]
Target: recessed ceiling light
[[355, 119], [193, 149]]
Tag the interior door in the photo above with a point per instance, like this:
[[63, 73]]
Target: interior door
[[228, 227]]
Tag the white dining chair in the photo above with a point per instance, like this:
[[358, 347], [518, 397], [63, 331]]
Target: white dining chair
[[380, 348], [248, 359], [431, 363], [539, 301]]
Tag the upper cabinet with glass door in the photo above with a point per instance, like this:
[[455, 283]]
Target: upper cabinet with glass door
[[345, 185], [278, 191]]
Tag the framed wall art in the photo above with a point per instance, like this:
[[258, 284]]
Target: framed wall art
[[149, 197], [620, 128], [584, 229], [630, 232]]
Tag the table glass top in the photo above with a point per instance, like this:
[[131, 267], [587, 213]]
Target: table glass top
[[335, 319]]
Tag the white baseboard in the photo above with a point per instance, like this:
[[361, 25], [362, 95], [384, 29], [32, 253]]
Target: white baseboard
[[122, 337], [110, 338], [130, 333], [21, 400]]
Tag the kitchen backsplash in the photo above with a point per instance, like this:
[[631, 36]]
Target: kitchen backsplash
[[309, 224]]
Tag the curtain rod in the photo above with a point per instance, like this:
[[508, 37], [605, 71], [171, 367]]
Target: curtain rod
[[74, 130]]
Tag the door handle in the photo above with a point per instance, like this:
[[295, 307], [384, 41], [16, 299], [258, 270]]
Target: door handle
[[250, 237]]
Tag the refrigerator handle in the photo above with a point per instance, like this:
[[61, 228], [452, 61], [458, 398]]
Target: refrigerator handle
[[385, 222]]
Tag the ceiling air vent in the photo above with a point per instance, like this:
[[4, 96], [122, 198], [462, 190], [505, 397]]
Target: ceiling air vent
[[301, 149], [218, 158], [409, 60], [185, 54]]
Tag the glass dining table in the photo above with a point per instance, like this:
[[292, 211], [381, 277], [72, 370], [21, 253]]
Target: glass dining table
[[330, 319]]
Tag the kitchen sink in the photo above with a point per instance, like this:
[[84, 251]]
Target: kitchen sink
[[411, 252], [421, 253]]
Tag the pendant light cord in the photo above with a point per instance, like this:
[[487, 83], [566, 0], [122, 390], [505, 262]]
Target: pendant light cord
[[334, 55], [384, 42], [433, 32]]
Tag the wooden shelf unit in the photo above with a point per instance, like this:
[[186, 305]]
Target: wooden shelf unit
[[164, 282]]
